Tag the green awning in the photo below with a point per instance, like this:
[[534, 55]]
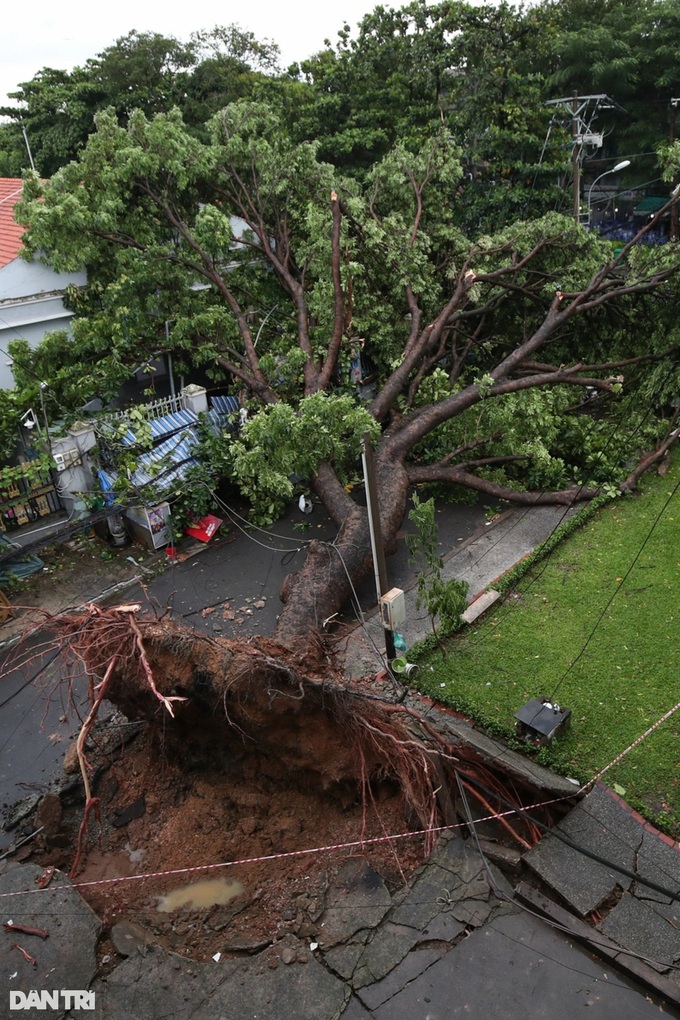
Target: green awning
[[648, 205]]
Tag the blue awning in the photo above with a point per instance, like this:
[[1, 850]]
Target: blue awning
[[225, 404], [164, 426], [161, 467]]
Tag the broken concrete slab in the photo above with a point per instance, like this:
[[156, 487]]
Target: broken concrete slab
[[429, 893], [601, 824], [384, 952], [638, 927], [411, 967], [164, 984], [304, 990], [66, 959], [461, 731], [515, 967], [454, 879], [659, 863], [632, 966], [357, 899], [471, 913], [442, 928], [464, 865], [160, 984], [343, 959], [355, 1011]]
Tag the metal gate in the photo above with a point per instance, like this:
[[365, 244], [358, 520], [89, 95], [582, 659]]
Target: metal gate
[[23, 504]]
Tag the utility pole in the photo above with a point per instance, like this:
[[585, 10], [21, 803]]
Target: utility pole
[[379, 566], [28, 147], [673, 233], [582, 111], [576, 150]]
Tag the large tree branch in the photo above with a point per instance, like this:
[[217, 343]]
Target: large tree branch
[[459, 476], [649, 461], [331, 359], [422, 421], [429, 336], [211, 273], [281, 266]]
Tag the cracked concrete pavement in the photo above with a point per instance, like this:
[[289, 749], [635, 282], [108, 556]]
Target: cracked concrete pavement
[[454, 943]]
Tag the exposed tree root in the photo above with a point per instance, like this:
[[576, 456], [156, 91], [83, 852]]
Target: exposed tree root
[[217, 698]]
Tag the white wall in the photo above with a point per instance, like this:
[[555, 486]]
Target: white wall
[[30, 306]]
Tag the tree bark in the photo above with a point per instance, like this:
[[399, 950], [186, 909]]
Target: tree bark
[[332, 571]]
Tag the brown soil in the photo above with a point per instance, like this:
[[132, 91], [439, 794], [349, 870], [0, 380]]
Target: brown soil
[[249, 752], [248, 810]]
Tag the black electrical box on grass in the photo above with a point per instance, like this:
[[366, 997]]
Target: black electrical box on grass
[[541, 720]]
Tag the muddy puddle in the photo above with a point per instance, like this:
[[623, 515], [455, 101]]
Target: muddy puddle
[[198, 895]]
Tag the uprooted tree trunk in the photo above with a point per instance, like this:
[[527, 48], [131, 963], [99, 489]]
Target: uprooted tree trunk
[[332, 571], [217, 699]]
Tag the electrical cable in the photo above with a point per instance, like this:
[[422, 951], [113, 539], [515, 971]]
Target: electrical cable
[[28, 683], [537, 575], [623, 418], [673, 895], [584, 483], [227, 509], [547, 920], [290, 552], [401, 690], [616, 591]]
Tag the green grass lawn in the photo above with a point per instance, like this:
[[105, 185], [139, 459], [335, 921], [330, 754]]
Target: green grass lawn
[[533, 644]]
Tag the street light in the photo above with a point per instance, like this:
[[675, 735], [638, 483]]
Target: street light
[[614, 170]]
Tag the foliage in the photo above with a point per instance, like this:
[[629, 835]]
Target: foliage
[[29, 472], [409, 72], [483, 73], [272, 270], [282, 442], [195, 496], [443, 600], [142, 70]]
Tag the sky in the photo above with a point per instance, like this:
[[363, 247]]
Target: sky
[[64, 34]]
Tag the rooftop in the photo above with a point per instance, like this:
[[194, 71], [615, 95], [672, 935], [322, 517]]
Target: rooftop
[[10, 232]]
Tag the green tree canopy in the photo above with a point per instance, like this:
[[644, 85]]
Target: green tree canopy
[[142, 70], [275, 269]]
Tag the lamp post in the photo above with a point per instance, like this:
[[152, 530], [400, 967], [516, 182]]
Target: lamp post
[[43, 387], [614, 170]]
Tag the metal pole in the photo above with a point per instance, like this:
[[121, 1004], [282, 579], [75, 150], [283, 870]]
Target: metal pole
[[614, 170], [375, 530], [43, 387], [576, 162], [28, 147], [168, 358]]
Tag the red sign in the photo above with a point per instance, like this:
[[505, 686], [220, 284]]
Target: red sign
[[204, 529]]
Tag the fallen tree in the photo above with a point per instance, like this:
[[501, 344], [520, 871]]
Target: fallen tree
[[340, 310]]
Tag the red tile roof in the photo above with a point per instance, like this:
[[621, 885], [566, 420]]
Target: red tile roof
[[10, 232]]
